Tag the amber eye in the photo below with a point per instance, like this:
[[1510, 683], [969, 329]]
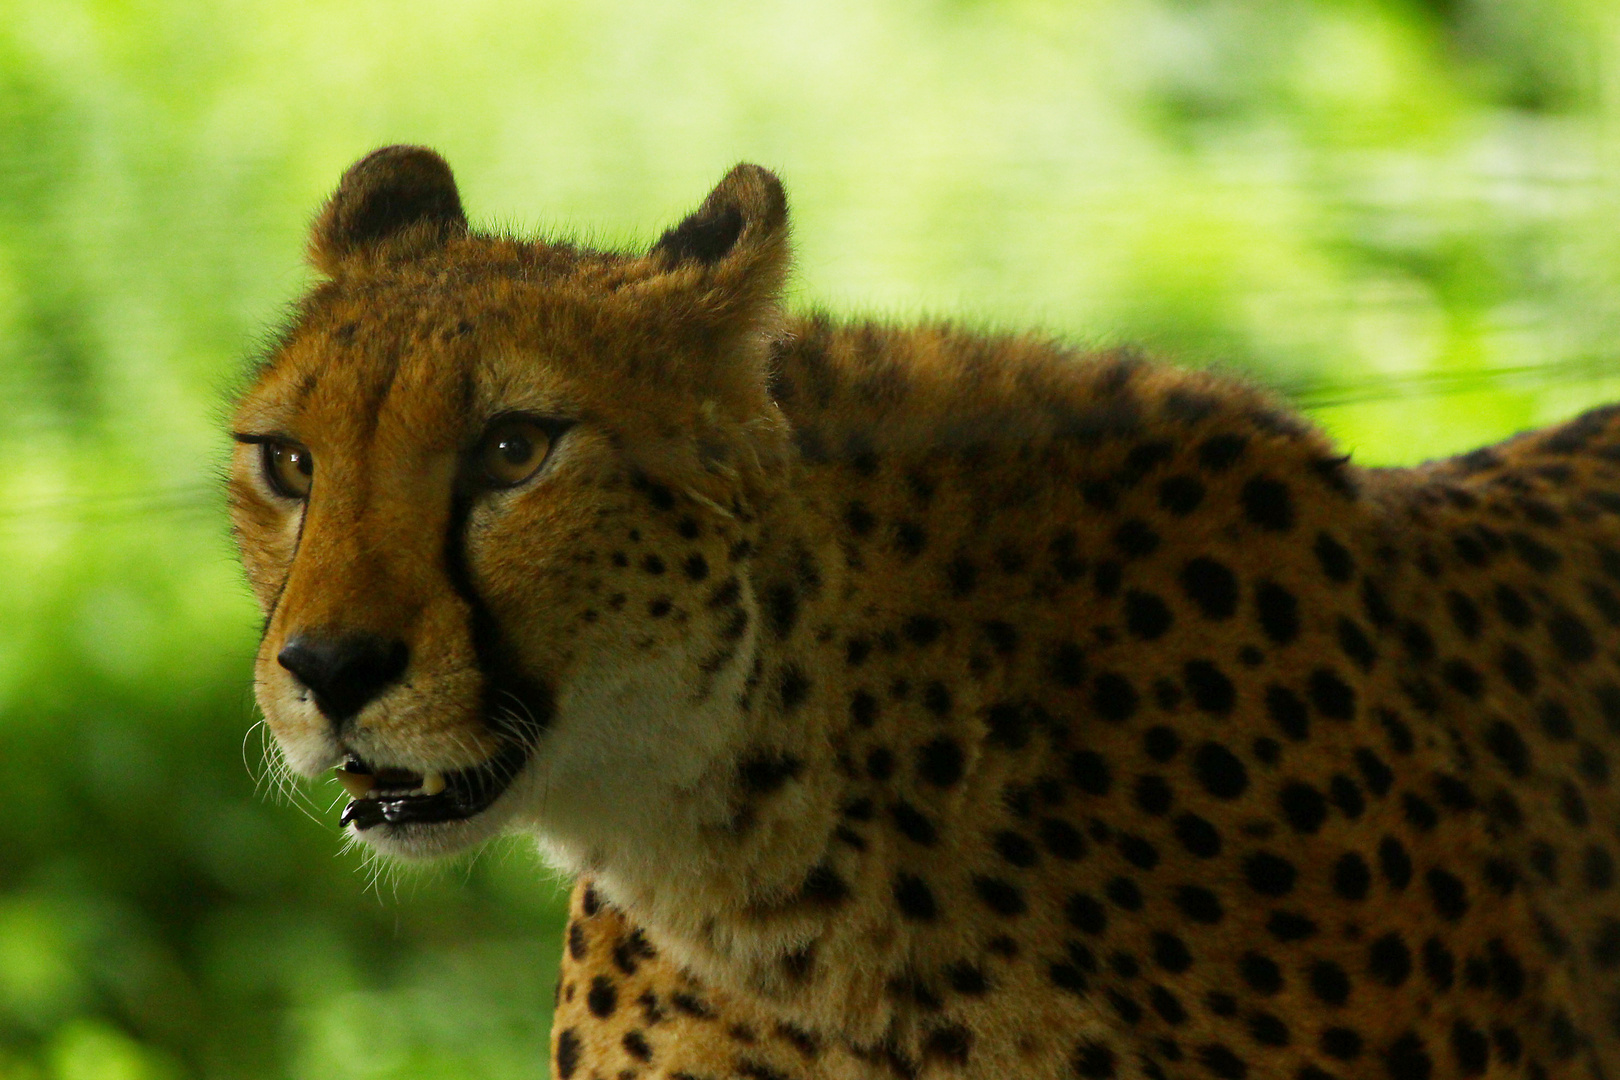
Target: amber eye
[[512, 450], [289, 468]]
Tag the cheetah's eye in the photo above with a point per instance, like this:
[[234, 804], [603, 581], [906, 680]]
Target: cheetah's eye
[[289, 468], [512, 450]]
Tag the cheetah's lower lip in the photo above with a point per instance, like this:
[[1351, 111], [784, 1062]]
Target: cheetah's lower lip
[[399, 797]]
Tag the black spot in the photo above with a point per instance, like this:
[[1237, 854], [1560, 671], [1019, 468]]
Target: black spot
[[1199, 904], [1125, 893], [1420, 813], [961, 575], [1113, 697], [1222, 1063], [1268, 1030], [1000, 896], [1394, 863], [1389, 960], [1003, 638], [1261, 973], [576, 941], [909, 538], [793, 687], [1471, 1049], [1331, 695], [567, 1054], [1146, 615], [1303, 806], [1269, 874], [863, 708], [1211, 586], [1342, 1044], [1507, 974], [603, 997], [635, 1044], [1408, 1059], [1170, 952], [1290, 926], [1167, 1005], [1504, 741], [1351, 876], [1518, 669], [1268, 503], [913, 825], [767, 773], [1015, 848], [1153, 795], [1571, 637], [1514, 609], [696, 567], [1220, 771], [1107, 577], [1180, 495], [1136, 539], [1334, 558], [1220, 452], [1209, 687], [916, 900], [1288, 712], [1009, 725], [1062, 839], [1378, 776], [653, 564], [1090, 772], [859, 519], [782, 607], [1329, 982], [1355, 644], [1138, 852], [1449, 895], [1160, 743], [824, 888], [922, 630], [1067, 664], [1597, 869], [1279, 612], [940, 762], [1066, 560], [1198, 836], [950, 1043], [1534, 554], [1344, 793], [1095, 1061]]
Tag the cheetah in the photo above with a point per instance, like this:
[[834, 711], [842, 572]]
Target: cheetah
[[914, 702]]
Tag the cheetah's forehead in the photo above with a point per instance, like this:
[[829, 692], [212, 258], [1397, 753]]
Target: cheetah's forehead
[[428, 374]]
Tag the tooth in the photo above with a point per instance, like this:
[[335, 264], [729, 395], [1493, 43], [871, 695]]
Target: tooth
[[432, 783], [356, 784]]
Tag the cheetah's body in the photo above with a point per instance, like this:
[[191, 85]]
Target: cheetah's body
[[1011, 713], [1169, 745]]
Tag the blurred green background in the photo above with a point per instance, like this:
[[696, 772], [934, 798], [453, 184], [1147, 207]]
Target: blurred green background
[[1401, 212]]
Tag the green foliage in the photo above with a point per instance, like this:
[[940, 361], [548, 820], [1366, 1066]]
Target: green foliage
[[1399, 211]]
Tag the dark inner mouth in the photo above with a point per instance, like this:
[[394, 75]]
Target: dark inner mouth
[[399, 797]]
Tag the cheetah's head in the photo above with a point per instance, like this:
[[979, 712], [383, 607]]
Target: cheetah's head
[[494, 498]]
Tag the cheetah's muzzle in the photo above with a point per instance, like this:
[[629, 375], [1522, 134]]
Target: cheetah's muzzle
[[398, 797]]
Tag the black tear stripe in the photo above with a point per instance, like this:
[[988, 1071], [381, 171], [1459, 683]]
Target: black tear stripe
[[505, 683]]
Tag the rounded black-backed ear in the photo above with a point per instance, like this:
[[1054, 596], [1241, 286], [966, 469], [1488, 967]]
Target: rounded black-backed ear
[[390, 194], [748, 206]]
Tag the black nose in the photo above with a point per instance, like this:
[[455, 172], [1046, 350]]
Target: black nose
[[345, 671]]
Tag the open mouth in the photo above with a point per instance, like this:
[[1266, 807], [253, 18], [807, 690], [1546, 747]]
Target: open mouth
[[400, 797]]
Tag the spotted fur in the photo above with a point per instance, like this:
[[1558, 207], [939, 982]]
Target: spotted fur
[[918, 703]]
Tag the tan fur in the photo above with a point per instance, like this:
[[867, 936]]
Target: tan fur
[[932, 704]]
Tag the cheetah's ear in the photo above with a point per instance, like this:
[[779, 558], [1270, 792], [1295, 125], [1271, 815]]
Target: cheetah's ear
[[390, 201], [737, 238]]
